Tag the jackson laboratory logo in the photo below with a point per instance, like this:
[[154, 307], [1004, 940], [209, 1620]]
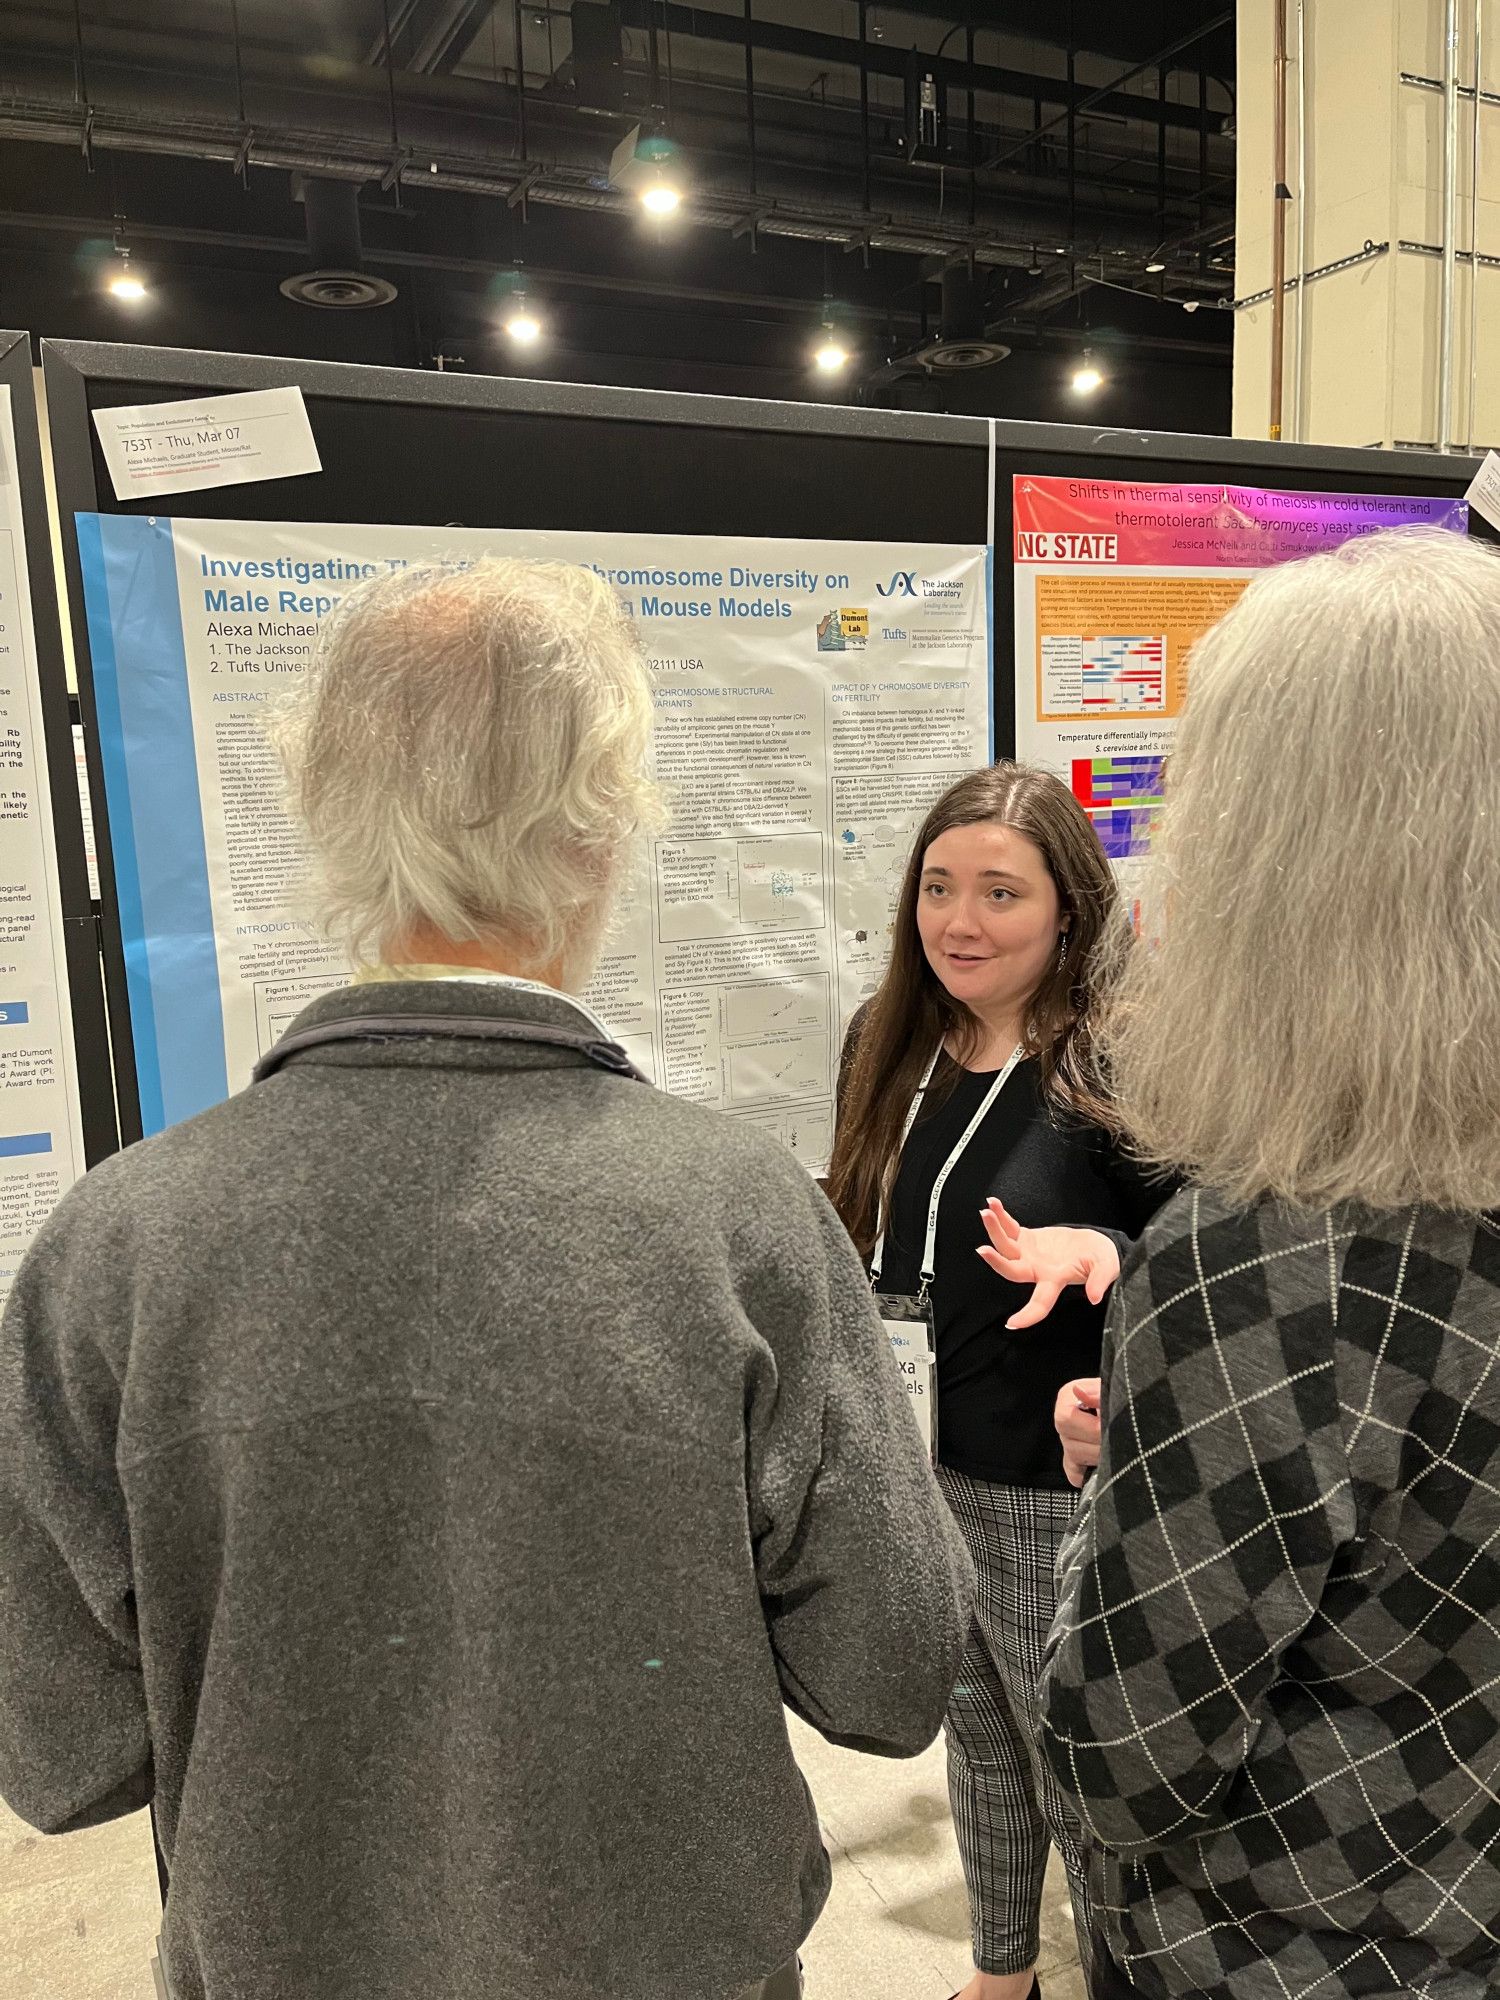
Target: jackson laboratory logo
[[903, 583]]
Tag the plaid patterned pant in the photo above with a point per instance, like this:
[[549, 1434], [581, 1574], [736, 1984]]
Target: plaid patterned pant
[[1006, 1808]]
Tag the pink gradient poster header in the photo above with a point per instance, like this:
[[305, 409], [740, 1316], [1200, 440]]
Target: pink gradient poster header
[[1203, 527]]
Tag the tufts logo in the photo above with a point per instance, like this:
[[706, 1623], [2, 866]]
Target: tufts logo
[[903, 583]]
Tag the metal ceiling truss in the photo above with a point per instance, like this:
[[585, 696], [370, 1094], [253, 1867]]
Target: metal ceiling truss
[[425, 39], [338, 157]]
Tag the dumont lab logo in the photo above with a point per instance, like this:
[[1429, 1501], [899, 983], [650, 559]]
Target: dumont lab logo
[[903, 583], [844, 629]]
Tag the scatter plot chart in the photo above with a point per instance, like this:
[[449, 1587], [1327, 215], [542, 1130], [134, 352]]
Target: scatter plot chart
[[789, 1006], [1122, 796], [1104, 673], [797, 1067]]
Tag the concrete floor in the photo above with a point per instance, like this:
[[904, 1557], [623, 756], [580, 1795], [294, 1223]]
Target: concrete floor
[[79, 1915]]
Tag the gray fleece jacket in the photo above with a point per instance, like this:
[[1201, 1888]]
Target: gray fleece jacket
[[426, 1475]]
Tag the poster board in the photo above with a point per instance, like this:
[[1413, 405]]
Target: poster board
[[410, 448], [451, 455], [1114, 585], [813, 699], [1073, 453], [49, 981]]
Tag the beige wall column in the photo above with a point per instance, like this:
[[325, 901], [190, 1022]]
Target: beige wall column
[[1369, 368]]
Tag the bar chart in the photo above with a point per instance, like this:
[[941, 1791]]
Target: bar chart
[[1118, 673]]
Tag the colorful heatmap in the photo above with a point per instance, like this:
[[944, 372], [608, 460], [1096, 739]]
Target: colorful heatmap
[[1122, 796]]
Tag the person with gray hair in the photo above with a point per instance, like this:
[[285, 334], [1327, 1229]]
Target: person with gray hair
[[427, 1475], [1273, 1686]]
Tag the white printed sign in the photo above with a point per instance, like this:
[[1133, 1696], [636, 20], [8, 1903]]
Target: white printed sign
[[153, 448], [1484, 494]]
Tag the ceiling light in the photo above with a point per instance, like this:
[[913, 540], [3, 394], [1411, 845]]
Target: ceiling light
[[1154, 266], [649, 166], [1087, 378], [830, 355], [521, 321], [127, 286]]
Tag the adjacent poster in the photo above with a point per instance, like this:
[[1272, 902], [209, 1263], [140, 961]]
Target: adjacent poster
[[1114, 584], [41, 1129], [812, 698]]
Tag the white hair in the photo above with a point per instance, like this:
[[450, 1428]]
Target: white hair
[[1317, 1018], [468, 755]]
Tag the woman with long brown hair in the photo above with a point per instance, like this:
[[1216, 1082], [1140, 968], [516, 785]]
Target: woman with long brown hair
[[970, 1074]]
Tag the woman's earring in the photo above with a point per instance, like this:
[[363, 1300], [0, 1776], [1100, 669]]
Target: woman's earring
[[1062, 956]]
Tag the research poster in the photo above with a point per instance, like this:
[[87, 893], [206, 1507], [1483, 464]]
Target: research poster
[[812, 700], [1114, 584], [41, 1129]]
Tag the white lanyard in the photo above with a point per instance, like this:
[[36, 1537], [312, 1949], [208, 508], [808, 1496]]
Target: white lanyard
[[929, 1251]]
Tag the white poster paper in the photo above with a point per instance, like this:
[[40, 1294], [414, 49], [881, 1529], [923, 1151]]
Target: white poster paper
[[154, 448], [41, 1132], [812, 699]]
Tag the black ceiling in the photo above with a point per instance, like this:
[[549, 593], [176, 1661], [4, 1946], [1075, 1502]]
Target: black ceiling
[[1083, 140]]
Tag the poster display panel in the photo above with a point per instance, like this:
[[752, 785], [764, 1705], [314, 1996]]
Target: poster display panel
[[812, 700], [41, 1126], [1114, 585]]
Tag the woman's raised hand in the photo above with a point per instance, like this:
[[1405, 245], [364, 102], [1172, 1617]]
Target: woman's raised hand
[[1048, 1259]]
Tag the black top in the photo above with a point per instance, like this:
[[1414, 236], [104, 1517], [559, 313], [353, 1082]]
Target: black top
[[996, 1389]]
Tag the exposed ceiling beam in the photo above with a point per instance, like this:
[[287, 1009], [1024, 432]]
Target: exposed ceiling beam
[[468, 114], [447, 150], [886, 59], [397, 19], [1107, 96], [429, 35], [203, 40], [1112, 32]]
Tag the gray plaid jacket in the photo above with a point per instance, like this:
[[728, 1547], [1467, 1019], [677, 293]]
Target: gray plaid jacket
[[1273, 1687]]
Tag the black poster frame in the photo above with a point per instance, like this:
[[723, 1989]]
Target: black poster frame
[[79, 918], [448, 449]]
